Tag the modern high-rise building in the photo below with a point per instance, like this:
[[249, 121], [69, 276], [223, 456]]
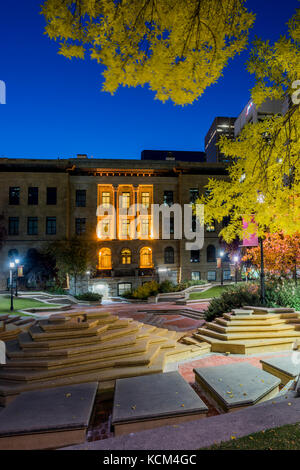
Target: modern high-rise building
[[253, 114], [221, 126]]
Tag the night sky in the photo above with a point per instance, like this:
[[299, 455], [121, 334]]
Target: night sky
[[55, 107]]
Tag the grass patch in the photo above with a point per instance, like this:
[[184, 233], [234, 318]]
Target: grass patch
[[208, 294], [284, 438], [19, 304]]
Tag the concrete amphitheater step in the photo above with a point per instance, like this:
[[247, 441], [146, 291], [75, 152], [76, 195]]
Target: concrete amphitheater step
[[233, 322], [61, 416], [246, 328], [88, 357], [247, 346], [9, 390], [28, 375], [15, 352], [246, 335]]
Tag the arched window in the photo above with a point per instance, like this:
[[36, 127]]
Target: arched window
[[211, 254], [169, 255], [126, 256], [146, 257], [105, 258]]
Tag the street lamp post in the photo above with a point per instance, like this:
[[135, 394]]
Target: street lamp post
[[88, 273], [11, 268], [262, 273]]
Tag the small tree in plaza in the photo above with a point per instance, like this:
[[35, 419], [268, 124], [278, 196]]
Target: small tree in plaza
[[73, 257]]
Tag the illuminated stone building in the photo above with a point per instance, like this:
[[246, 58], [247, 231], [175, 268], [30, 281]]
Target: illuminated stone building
[[44, 200]]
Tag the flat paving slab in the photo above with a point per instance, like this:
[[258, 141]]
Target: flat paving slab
[[237, 385], [47, 418], [151, 401], [286, 368]]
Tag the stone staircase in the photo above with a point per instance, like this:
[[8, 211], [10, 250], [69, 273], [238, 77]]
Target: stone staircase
[[12, 325], [255, 330], [88, 347]]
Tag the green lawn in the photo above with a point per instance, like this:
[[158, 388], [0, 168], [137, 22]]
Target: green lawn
[[208, 294], [284, 438], [19, 304]]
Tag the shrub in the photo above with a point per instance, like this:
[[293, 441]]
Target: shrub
[[146, 290], [283, 294], [56, 290], [89, 296], [233, 297], [185, 284], [153, 288], [166, 286]]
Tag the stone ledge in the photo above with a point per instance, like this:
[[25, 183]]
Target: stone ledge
[[205, 432]]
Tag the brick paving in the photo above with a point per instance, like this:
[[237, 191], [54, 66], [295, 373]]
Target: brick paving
[[172, 322], [186, 369]]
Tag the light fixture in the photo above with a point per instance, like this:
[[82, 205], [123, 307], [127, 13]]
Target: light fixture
[[11, 265], [221, 254], [235, 259], [17, 261]]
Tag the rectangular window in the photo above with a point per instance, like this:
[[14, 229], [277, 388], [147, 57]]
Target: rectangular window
[[168, 198], [211, 275], [13, 226], [146, 200], [195, 256], [51, 196], [33, 196], [227, 275], [172, 224], [194, 194], [105, 199], [125, 227], [80, 226], [32, 226], [51, 225], [14, 196], [196, 276], [80, 197], [124, 287], [125, 204]]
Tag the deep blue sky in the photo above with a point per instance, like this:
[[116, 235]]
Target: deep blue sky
[[55, 107]]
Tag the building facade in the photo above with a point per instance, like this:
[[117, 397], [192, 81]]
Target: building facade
[[47, 200]]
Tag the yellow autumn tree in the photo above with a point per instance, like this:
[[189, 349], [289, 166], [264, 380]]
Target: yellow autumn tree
[[177, 47], [264, 177]]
